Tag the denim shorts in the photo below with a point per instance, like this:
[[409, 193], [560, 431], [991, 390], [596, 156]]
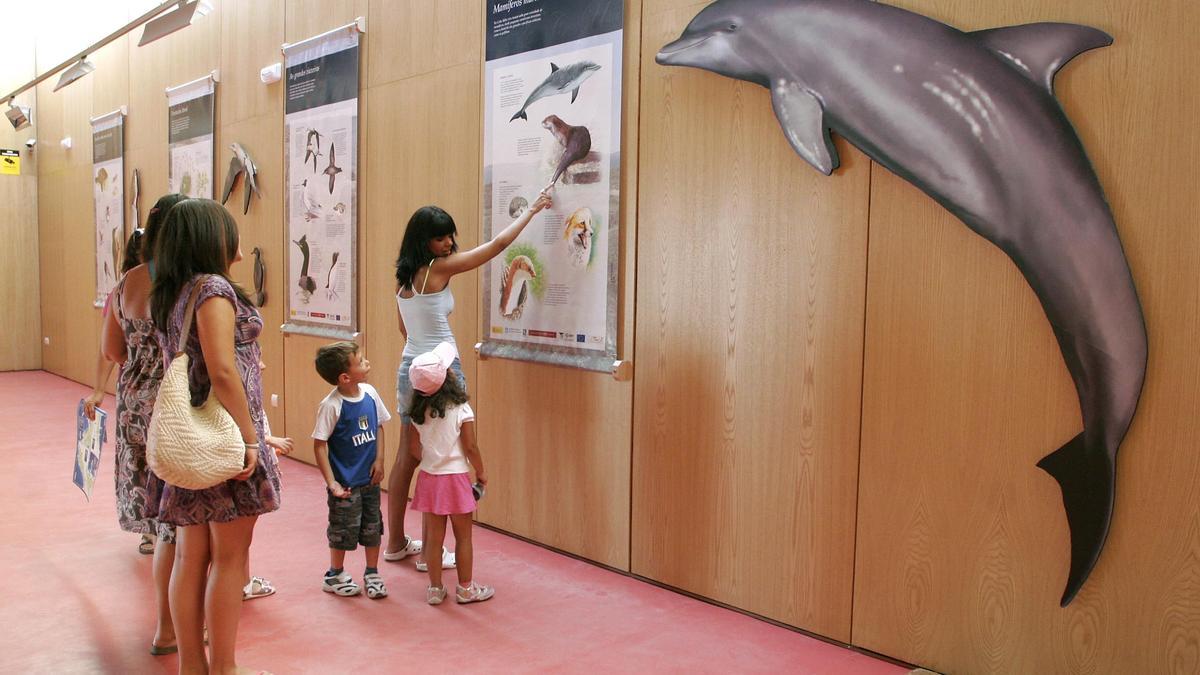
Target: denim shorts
[[404, 387], [356, 519]]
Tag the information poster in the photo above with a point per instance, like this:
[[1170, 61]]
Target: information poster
[[321, 156], [552, 120], [89, 440], [108, 196], [190, 138]]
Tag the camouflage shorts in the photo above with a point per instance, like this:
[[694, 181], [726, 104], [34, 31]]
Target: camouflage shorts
[[356, 519]]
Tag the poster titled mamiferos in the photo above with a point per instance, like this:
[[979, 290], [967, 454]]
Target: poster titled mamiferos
[[552, 120], [321, 157]]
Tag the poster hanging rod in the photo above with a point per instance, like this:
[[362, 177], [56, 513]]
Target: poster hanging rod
[[360, 24], [214, 75], [105, 117]]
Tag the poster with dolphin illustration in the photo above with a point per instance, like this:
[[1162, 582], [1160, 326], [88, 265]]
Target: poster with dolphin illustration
[[108, 198], [321, 160], [552, 121], [969, 118], [190, 142]]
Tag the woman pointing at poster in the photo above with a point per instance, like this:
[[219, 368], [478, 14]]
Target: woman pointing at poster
[[428, 259]]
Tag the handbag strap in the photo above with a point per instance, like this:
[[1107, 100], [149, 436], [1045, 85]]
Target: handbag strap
[[188, 315]]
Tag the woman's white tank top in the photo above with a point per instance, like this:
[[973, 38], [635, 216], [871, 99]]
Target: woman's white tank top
[[426, 318]]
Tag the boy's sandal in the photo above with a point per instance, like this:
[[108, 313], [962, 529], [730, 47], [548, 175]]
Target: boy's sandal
[[375, 587], [257, 588], [411, 547], [449, 561], [146, 547], [342, 585]]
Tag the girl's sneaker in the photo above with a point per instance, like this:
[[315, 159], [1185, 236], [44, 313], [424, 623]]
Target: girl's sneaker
[[375, 587], [449, 562], [474, 593], [434, 595], [342, 584]]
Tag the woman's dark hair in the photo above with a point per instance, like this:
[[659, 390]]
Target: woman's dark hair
[[451, 394], [132, 256], [426, 224], [154, 221], [198, 237]]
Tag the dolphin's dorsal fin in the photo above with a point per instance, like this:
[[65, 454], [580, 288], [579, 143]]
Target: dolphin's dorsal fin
[[553, 67], [1038, 50], [802, 117]]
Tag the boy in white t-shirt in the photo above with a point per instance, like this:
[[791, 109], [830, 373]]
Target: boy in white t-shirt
[[346, 441]]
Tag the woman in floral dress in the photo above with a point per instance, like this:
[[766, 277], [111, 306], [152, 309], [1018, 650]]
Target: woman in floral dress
[[129, 338]]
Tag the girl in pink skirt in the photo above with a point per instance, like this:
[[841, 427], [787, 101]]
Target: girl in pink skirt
[[445, 445]]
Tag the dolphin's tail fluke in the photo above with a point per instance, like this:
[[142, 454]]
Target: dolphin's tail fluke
[[1087, 477], [521, 114]]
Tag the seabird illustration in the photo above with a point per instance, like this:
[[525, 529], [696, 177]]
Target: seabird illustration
[[559, 81], [241, 164], [312, 147], [312, 208], [333, 169], [306, 283], [102, 179], [332, 264], [971, 120]]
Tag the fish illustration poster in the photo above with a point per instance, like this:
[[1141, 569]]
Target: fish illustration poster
[[552, 120], [321, 140], [190, 137], [108, 196]]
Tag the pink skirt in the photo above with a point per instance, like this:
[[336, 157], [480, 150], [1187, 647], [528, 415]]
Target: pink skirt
[[443, 494]]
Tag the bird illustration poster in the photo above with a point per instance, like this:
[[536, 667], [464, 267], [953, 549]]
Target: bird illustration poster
[[90, 435], [552, 121], [190, 138], [321, 159], [108, 197]]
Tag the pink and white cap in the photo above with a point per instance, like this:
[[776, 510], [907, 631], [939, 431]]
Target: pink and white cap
[[428, 370]]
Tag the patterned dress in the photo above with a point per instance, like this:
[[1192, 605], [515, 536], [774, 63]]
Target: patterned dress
[[137, 387], [232, 499]]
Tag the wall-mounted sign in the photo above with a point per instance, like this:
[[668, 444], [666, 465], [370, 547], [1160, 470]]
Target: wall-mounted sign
[[10, 163], [190, 137], [108, 196]]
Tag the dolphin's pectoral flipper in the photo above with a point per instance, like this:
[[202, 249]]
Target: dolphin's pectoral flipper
[[803, 120], [1087, 477], [1039, 50], [574, 93]]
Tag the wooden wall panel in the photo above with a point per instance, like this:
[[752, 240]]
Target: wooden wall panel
[[305, 18], [20, 342], [427, 159], [411, 37], [962, 542], [51, 277], [251, 35], [749, 318], [557, 441]]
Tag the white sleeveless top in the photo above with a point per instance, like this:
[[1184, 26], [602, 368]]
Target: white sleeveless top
[[426, 319]]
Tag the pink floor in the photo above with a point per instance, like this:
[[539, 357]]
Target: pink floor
[[77, 595]]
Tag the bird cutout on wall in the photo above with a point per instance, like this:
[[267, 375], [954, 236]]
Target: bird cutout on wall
[[331, 293], [133, 201], [312, 208], [260, 278], [102, 179], [559, 81], [969, 118], [333, 169], [312, 148], [575, 141], [240, 165], [578, 235], [306, 283], [115, 246], [514, 286]]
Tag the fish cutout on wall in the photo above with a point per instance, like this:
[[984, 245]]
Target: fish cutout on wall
[[970, 118]]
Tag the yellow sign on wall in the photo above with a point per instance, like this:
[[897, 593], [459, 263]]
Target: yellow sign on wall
[[10, 162]]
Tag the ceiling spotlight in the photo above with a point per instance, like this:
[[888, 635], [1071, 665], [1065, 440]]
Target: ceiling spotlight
[[18, 115], [82, 67], [180, 17]]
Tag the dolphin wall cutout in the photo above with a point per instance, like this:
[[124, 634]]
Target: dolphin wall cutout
[[971, 120]]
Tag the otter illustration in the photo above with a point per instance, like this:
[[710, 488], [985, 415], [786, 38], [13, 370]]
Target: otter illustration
[[576, 142], [516, 278]]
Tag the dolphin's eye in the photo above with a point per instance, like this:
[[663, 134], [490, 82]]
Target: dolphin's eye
[[733, 26]]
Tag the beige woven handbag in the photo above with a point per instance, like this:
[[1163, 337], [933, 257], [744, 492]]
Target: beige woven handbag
[[192, 448]]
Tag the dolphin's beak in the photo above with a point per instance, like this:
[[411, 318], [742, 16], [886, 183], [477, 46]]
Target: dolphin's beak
[[667, 55]]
